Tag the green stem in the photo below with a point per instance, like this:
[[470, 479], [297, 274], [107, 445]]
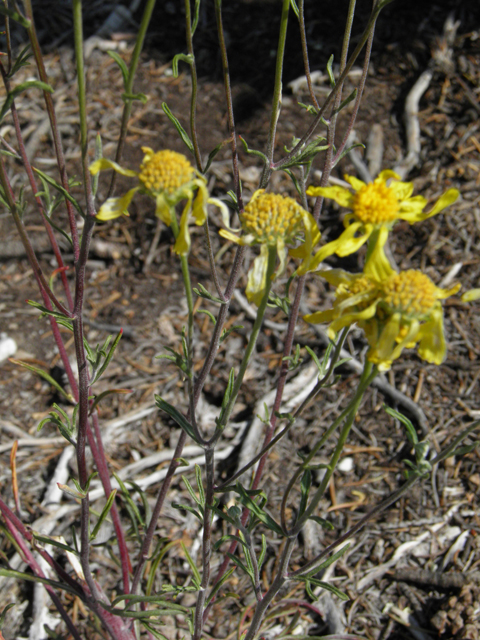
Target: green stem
[[82, 102], [272, 259], [277, 93], [189, 355], [193, 76], [369, 373], [127, 109]]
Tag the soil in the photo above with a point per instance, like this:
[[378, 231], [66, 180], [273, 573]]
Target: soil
[[134, 282]]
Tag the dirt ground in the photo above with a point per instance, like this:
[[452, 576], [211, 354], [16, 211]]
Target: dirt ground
[[134, 282]]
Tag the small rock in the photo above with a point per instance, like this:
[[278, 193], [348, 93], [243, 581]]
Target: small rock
[[8, 347]]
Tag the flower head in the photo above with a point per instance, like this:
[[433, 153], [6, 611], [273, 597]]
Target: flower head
[[376, 207], [396, 310], [168, 178], [272, 220]]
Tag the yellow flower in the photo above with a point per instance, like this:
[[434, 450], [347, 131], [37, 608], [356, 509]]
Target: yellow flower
[[376, 207], [395, 310], [272, 220], [168, 178]]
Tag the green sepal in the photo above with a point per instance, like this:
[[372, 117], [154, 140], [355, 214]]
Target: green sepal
[[178, 417], [103, 515], [176, 123]]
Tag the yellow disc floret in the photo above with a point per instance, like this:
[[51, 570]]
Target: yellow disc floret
[[410, 293], [165, 171], [375, 203], [271, 216]]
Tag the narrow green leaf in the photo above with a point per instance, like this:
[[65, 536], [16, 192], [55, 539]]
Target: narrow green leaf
[[305, 485], [218, 586], [130, 97], [14, 15], [198, 477], [322, 522], [411, 433], [186, 507], [177, 416], [102, 395], [59, 188], [209, 314], [296, 11], [129, 500], [239, 564], [46, 376], [191, 564], [109, 356], [176, 123], [188, 58], [329, 587], [4, 612], [103, 515], [29, 84], [121, 64], [29, 577], [330, 71], [54, 543], [196, 12], [267, 520]]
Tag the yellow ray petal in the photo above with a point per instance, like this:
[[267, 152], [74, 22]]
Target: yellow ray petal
[[116, 207], [102, 164], [341, 195]]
